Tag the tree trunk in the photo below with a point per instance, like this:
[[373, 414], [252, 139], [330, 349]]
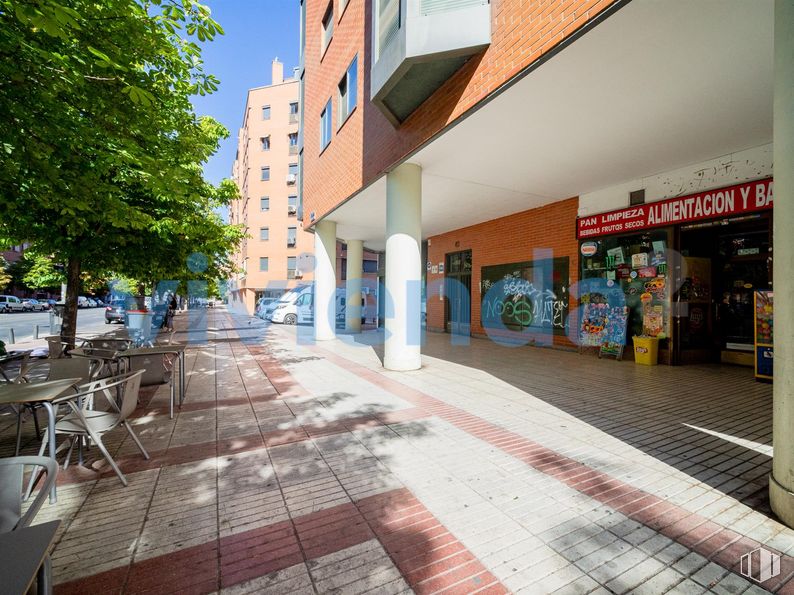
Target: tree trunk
[[69, 326]]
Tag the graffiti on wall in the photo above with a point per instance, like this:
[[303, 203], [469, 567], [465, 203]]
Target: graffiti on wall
[[529, 294]]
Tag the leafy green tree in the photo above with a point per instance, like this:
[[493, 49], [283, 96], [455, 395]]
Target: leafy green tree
[[5, 278], [42, 272], [102, 150]]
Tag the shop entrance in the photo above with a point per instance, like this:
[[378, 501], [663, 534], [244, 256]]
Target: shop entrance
[[724, 263], [457, 288]]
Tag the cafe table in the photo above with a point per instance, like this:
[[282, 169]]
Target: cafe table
[[176, 349], [44, 393], [24, 555]]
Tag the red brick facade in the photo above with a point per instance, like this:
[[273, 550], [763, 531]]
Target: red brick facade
[[368, 145], [506, 240]]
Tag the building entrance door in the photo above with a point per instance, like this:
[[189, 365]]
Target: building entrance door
[[726, 263], [457, 281]]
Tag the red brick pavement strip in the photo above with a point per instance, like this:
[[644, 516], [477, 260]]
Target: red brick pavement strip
[[430, 558], [715, 542], [189, 453]]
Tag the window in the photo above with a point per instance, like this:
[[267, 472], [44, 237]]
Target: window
[[293, 139], [291, 266], [370, 266], [265, 173], [293, 169], [292, 236], [264, 203], [292, 205], [266, 112], [265, 143], [293, 112], [263, 264], [388, 22], [348, 91], [327, 26], [264, 233], [325, 126]]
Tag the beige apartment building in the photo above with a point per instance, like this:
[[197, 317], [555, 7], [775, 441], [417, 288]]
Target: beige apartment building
[[276, 255]]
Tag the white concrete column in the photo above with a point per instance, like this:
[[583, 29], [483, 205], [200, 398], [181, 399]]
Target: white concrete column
[[403, 322], [325, 280], [781, 483], [354, 273]]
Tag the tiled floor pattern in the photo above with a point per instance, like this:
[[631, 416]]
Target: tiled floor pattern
[[310, 469]]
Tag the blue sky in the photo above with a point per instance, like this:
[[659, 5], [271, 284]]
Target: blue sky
[[256, 32]]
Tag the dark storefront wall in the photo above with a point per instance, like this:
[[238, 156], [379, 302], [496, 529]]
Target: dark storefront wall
[[515, 246]]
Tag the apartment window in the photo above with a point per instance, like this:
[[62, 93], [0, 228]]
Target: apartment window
[[388, 23], [292, 205], [265, 173], [264, 203], [327, 26], [264, 234], [293, 112], [293, 143], [293, 169], [263, 264], [265, 143], [325, 126], [370, 266], [292, 236], [348, 91], [265, 112], [291, 266]]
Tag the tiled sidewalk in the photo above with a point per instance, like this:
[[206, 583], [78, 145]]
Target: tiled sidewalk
[[297, 468]]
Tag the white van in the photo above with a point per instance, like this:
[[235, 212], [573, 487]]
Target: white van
[[297, 306], [10, 303]]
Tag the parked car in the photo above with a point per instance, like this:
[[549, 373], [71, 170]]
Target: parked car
[[265, 306], [33, 305], [92, 303], [115, 311], [51, 303], [10, 303], [99, 302], [82, 302]]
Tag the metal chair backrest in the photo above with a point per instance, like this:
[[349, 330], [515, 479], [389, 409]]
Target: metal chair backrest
[[108, 343], [12, 472], [156, 367], [73, 367]]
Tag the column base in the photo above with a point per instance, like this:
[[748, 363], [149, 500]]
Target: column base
[[782, 501], [402, 364]]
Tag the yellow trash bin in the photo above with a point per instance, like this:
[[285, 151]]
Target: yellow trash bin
[[646, 350]]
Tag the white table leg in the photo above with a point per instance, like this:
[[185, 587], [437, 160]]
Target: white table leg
[[51, 437]]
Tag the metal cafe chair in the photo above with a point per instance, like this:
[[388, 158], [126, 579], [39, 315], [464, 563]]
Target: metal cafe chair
[[84, 422], [53, 369], [12, 475], [12, 472]]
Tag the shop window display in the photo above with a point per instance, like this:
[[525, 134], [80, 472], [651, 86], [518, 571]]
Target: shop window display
[[630, 271]]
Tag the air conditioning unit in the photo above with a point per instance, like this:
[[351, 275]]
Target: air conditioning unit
[[290, 243], [292, 210], [298, 274], [291, 179]]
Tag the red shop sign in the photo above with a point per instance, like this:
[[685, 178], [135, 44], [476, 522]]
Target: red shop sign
[[750, 197]]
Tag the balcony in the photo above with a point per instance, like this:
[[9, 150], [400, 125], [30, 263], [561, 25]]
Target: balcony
[[419, 44]]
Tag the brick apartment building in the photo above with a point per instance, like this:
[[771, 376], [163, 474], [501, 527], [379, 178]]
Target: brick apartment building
[[274, 256], [524, 163]]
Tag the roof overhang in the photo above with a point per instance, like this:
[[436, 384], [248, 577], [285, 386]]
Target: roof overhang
[[654, 87]]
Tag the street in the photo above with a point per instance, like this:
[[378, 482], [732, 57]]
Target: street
[[24, 323]]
